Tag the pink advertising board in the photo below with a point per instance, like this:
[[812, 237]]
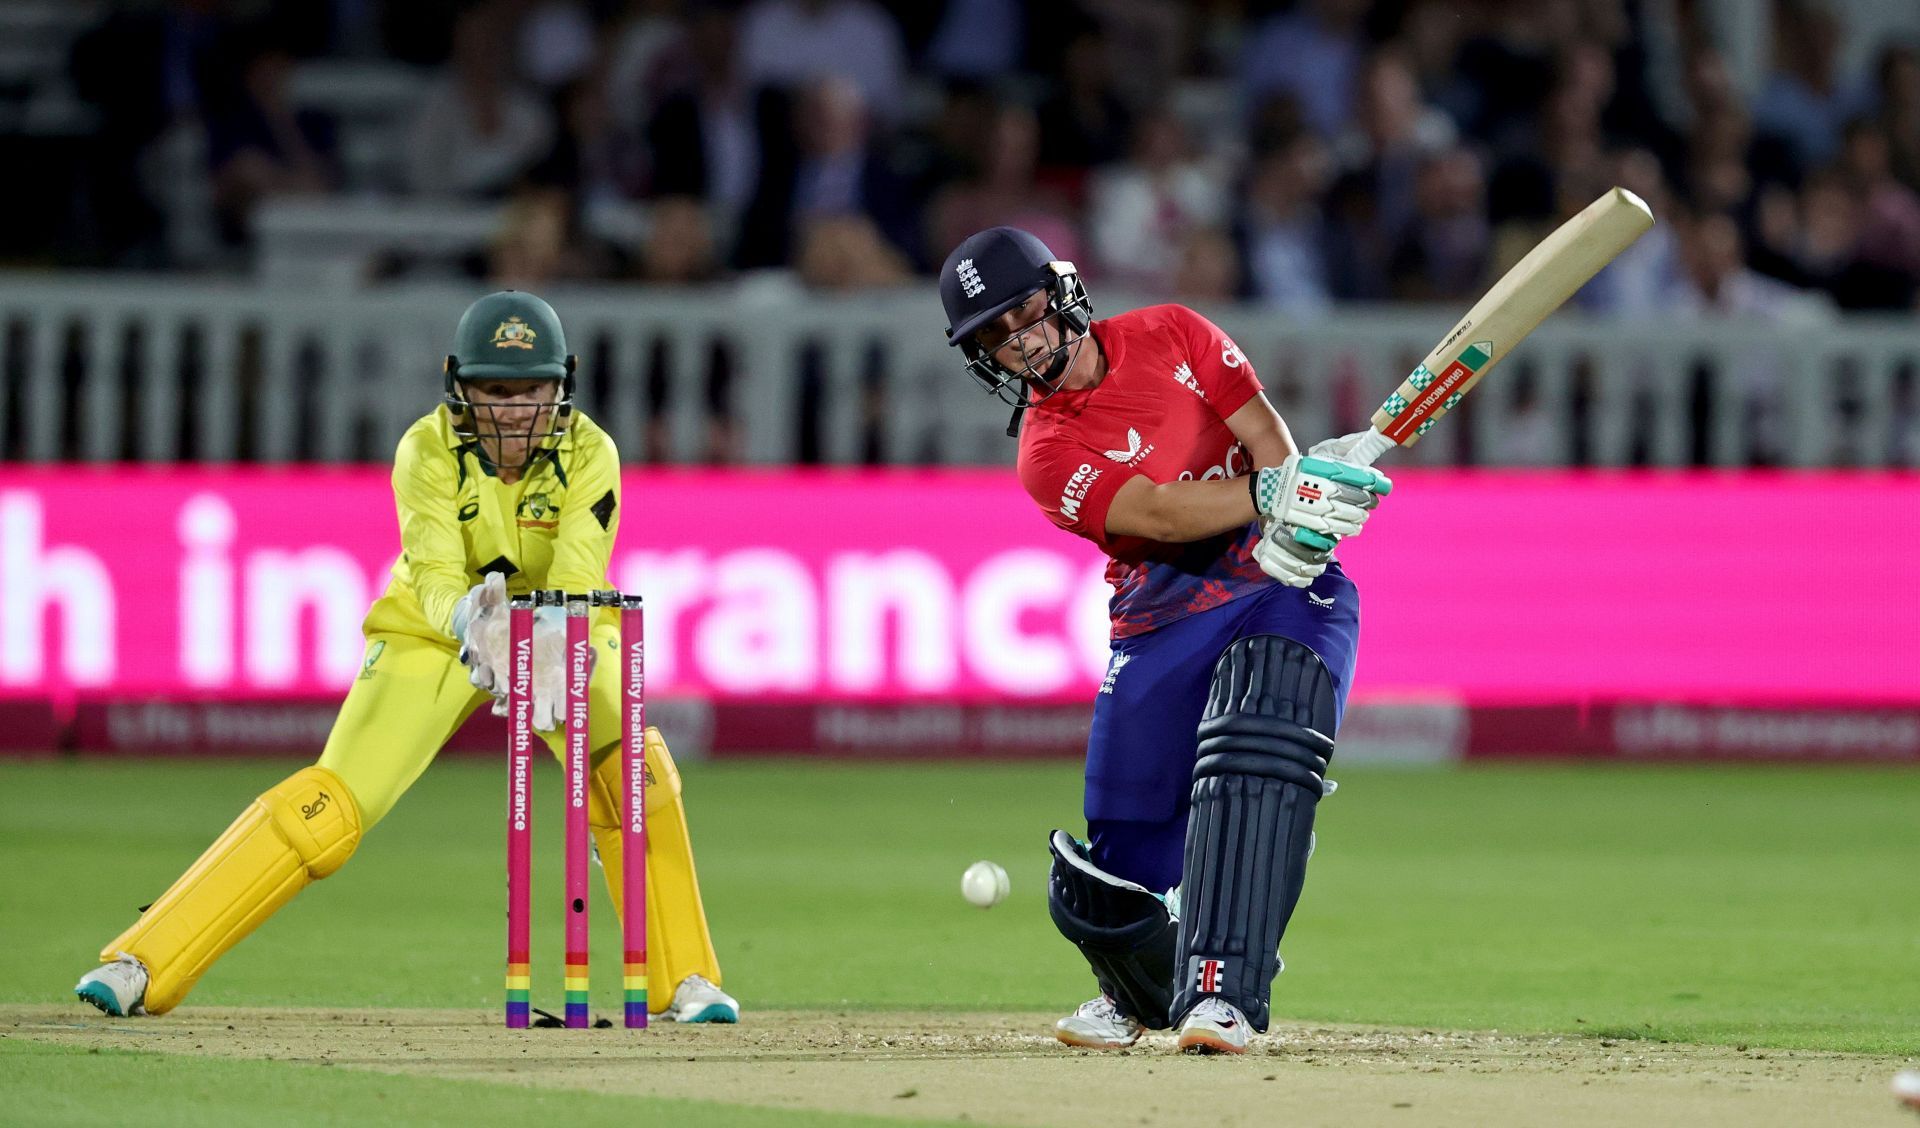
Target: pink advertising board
[[901, 586]]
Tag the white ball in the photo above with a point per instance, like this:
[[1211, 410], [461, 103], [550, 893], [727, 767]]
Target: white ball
[[984, 884], [1906, 1086]]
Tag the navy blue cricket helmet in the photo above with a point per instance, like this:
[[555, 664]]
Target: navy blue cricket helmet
[[993, 271]]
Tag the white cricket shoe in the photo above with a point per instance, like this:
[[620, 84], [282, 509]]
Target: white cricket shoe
[[698, 1000], [117, 988], [1213, 1026], [1099, 1024]]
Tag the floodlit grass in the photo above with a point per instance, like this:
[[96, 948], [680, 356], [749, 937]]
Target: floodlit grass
[[1771, 906], [77, 1088]]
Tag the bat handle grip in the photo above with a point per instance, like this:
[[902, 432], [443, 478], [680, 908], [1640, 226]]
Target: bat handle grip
[[1372, 445]]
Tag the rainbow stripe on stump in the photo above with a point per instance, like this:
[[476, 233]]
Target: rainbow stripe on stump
[[519, 985], [635, 982], [577, 1017]]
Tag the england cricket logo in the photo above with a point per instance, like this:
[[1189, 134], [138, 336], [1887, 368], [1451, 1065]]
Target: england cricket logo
[[970, 282]]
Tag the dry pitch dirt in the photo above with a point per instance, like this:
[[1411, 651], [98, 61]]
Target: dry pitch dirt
[[1006, 1069]]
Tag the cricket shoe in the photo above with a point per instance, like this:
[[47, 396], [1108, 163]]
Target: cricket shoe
[[118, 988], [698, 1000], [1099, 1024], [1214, 1026]]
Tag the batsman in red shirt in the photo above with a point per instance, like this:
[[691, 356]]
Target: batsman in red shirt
[[1233, 635]]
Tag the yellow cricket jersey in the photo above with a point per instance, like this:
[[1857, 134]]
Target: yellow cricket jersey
[[554, 528]]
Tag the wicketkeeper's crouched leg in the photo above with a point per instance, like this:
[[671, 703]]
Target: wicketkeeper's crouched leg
[[297, 832], [678, 942], [412, 693]]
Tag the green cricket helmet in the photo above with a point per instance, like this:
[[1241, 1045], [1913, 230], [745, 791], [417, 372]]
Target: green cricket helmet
[[509, 335]]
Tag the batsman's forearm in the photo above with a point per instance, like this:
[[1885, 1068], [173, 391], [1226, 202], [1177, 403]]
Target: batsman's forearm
[[1177, 512]]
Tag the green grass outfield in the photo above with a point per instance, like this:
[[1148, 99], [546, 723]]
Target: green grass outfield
[[1771, 906]]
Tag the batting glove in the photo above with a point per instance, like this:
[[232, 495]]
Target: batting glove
[[1321, 495]]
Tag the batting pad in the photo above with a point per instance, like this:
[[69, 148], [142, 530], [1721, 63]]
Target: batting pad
[[1263, 753], [678, 943], [299, 831]]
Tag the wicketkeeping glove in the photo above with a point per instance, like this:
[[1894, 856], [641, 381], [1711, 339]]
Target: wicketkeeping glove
[[551, 669], [480, 625]]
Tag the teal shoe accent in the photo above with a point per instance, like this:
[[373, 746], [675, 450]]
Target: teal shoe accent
[[102, 996], [719, 1013]]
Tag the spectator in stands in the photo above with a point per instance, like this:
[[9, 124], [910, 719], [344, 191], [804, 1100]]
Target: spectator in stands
[[589, 157], [1209, 268], [146, 72], [258, 145], [1802, 101], [1392, 134], [679, 248], [847, 252], [1715, 280], [1888, 259], [476, 132], [1312, 53], [1140, 211], [700, 140], [1896, 107], [832, 169], [978, 39], [792, 42], [554, 44], [1716, 283], [1441, 254], [1430, 37], [1636, 284], [649, 41], [1006, 192], [1359, 246], [1084, 122], [1282, 231], [1146, 43], [539, 242], [1508, 58]]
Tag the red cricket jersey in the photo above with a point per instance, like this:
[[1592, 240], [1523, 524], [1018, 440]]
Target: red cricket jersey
[[1172, 380]]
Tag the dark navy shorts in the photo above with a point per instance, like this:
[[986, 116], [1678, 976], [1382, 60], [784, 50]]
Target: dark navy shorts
[[1141, 749]]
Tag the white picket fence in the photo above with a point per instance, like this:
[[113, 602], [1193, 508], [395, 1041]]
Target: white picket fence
[[110, 368]]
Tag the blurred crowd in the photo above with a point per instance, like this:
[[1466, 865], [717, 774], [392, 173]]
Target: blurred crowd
[[1294, 154]]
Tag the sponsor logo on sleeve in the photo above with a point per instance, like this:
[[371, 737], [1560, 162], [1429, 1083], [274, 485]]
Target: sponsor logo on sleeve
[[1076, 491], [1134, 453], [1230, 354]]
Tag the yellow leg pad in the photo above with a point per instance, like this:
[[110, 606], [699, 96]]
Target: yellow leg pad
[[678, 943], [301, 830]]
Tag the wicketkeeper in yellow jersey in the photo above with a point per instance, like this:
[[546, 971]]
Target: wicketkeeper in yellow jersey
[[503, 489]]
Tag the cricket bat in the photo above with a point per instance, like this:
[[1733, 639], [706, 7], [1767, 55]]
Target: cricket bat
[[1536, 286]]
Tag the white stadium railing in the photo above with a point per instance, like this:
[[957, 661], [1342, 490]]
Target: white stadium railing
[[109, 368]]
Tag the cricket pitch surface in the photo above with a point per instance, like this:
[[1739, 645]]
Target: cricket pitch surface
[[1006, 1069]]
